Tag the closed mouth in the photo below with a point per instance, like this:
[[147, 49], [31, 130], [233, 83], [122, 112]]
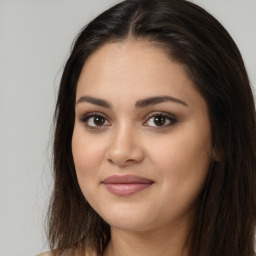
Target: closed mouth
[[126, 185], [126, 179]]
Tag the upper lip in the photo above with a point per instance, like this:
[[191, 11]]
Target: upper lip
[[126, 179]]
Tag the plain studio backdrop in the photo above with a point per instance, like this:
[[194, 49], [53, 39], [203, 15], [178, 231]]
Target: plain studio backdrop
[[35, 40]]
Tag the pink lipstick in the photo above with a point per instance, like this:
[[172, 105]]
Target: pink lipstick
[[126, 185]]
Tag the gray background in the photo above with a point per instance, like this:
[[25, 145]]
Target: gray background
[[35, 38]]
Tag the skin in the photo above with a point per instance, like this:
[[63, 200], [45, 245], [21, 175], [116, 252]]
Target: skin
[[175, 155]]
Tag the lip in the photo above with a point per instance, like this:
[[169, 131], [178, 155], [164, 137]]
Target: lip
[[126, 185]]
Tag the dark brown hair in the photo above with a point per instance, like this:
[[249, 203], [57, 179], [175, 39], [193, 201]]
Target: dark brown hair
[[225, 220]]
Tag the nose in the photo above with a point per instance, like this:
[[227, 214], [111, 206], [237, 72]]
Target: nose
[[125, 147]]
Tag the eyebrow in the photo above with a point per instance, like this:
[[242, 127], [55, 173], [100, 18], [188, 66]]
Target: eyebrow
[[95, 101], [139, 104], [156, 100]]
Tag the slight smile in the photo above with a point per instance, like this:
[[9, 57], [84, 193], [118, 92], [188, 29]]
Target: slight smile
[[126, 185]]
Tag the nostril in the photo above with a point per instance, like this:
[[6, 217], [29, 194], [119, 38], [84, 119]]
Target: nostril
[[125, 147], [121, 162], [123, 158]]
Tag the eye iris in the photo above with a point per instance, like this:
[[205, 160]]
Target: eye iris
[[99, 120], [159, 120]]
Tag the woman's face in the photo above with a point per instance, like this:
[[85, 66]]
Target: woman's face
[[142, 141]]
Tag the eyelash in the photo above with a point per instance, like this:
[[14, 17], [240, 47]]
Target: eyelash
[[165, 115], [84, 119]]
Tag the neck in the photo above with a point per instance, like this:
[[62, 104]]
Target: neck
[[158, 242]]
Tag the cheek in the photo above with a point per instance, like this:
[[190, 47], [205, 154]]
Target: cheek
[[182, 170], [87, 155], [184, 162]]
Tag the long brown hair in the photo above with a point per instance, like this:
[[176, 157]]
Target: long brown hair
[[225, 220]]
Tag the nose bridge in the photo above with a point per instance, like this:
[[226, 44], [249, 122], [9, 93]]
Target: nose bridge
[[125, 146]]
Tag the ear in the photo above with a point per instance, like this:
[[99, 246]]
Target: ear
[[217, 154]]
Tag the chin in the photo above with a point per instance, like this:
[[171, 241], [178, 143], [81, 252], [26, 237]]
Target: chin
[[128, 219], [129, 225]]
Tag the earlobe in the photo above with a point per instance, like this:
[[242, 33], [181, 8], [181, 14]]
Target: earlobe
[[217, 155]]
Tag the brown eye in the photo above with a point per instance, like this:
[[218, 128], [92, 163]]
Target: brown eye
[[159, 120], [99, 120], [95, 121]]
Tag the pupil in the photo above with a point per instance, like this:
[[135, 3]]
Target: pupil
[[159, 120], [98, 120]]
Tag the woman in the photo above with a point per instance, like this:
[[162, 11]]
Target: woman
[[154, 150]]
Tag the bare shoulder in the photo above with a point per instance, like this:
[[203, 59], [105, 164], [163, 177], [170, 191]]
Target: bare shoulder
[[45, 254], [67, 252]]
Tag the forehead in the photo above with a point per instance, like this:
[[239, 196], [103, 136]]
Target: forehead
[[135, 59], [134, 69]]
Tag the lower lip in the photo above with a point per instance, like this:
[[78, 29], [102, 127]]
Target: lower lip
[[126, 189]]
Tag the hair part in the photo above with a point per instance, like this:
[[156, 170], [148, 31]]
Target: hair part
[[225, 220]]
